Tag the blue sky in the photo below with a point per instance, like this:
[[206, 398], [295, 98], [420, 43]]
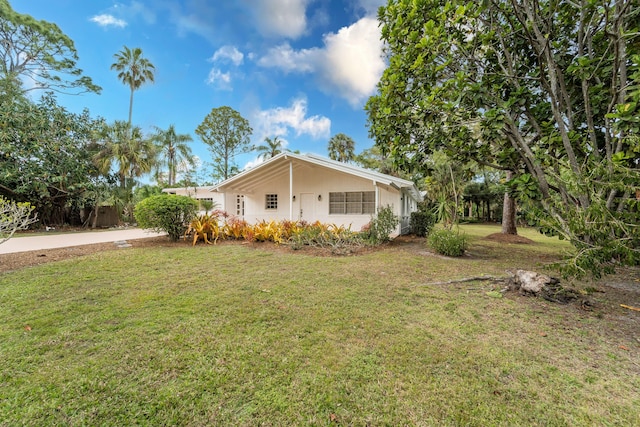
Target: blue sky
[[301, 70]]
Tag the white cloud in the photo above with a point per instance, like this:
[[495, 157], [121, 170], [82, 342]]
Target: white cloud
[[350, 63], [216, 76], [353, 60], [230, 53], [105, 20], [280, 18], [219, 79], [288, 59], [253, 163], [280, 121]]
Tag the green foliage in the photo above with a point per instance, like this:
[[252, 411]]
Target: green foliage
[[548, 90], [39, 51], [123, 148], [172, 150], [341, 148], [338, 239], [133, 71], [45, 156], [448, 242], [271, 148], [167, 212], [422, 222], [227, 134], [154, 337], [143, 191], [382, 225], [126, 149], [13, 217]]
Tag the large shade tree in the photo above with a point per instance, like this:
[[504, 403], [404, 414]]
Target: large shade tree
[[547, 90], [226, 133], [173, 150], [40, 54], [341, 148], [45, 156], [133, 70]]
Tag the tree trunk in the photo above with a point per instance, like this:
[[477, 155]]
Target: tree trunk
[[509, 212]]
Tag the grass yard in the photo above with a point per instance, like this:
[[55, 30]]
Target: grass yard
[[234, 335]]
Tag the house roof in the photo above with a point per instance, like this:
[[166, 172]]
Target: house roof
[[248, 180]]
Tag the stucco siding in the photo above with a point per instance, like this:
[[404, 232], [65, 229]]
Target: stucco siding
[[311, 188]]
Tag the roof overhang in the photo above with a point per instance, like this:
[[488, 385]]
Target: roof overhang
[[278, 166]]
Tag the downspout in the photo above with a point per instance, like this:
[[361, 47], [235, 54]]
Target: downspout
[[290, 190]]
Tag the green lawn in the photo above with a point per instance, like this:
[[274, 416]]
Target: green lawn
[[233, 335]]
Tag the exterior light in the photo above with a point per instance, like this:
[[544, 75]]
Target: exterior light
[[319, 197]]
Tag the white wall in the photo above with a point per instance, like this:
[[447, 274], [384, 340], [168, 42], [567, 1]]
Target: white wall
[[199, 193], [319, 182]]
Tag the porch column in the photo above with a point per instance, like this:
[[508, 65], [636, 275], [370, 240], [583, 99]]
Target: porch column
[[377, 194], [290, 190]]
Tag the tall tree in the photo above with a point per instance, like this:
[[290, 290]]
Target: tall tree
[[39, 53], [227, 134], [373, 158], [45, 155], [547, 90], [271, 148], [444, 185], [125, 148], [173, 149], [341, 148], [133, 70]]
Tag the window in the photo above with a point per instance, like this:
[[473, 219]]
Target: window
[[206, 203], [271, 201], [240, 204], [352, 203]]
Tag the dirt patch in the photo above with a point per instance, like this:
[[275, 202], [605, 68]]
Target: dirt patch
[[509, 238]]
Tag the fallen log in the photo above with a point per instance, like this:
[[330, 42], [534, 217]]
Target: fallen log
[[469, 279]]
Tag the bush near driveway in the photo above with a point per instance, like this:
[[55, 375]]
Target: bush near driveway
[[166, 212]]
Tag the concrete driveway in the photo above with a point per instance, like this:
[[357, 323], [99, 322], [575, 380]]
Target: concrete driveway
[[54, 240]]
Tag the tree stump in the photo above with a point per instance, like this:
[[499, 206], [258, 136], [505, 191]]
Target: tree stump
[[547, 287]]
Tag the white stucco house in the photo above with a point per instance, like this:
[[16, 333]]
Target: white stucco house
[[200, 194], [313, 188]]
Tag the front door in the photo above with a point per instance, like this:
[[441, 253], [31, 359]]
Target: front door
[[306, 207]]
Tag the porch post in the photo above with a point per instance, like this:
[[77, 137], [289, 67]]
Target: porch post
[[290, 190], [377, 194]]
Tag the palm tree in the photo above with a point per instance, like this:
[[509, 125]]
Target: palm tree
[[125, 146], [341, 148], [133, 70], [271, 148], [174, 150]]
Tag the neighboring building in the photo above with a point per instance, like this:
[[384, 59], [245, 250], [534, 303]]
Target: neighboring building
[[313, 188], [201, 194]]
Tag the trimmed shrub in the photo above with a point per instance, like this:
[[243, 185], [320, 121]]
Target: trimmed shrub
[[422, 222], [166, 212], [448, 242]]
